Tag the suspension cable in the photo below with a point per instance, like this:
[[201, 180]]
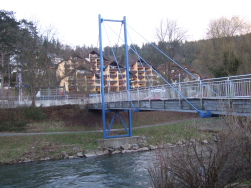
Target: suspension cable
[[171, 59], [124, 81]]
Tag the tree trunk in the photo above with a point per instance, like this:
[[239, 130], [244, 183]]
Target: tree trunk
[[2, 74], [9, 74], [33, 102]]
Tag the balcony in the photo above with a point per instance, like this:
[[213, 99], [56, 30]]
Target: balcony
[[122, 81], [113, 87], [114, 70], [133, 71], [112, 81], [141, 81], [113, 76]]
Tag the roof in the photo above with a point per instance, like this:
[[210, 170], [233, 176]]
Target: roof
[[114, 63], [142, 61], [94, 52]]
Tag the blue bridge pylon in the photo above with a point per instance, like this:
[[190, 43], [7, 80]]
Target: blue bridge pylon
[[106, 129], [128, 128]]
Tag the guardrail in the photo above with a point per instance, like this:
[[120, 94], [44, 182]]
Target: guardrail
[[16, 101], [225, 87]]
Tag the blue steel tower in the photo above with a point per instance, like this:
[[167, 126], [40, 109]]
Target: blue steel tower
[[106, 130]]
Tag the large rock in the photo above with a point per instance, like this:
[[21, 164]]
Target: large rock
[[115, 152], [80, 154], [126, 146], [152, 147], [99, 152], [141, 145], [143, 149], [106, 152], [135, 147], [65, 155], [90, 154], [128, 151]]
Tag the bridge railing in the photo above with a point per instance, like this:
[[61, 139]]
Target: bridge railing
[[225, 87], [15, 101]]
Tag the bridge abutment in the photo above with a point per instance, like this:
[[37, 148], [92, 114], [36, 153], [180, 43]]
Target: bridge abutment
[[117, 142]]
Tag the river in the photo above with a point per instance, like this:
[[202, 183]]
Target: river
[[120, 170]]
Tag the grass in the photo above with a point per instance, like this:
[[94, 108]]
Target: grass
[[36, 147], [54, 126], [171, 133]]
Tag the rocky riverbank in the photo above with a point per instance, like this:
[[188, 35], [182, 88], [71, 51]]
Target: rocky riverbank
[[143, 146], [129, 148]]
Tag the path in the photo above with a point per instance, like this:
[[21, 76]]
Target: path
[[94, 131]]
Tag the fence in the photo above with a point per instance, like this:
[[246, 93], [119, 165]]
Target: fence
[[16, 101]]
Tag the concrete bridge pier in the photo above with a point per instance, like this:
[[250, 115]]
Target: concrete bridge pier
[[117, 142]]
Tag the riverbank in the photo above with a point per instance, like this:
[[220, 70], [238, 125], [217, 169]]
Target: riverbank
[[52, 145]]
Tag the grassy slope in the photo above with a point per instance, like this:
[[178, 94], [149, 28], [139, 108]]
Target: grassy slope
[[17, 148]]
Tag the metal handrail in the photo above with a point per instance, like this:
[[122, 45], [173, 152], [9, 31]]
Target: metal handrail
[[230, 87]]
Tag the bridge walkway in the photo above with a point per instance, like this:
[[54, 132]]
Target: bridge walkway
[[227, 95]]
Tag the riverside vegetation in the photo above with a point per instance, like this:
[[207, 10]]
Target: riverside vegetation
[[224, 162]]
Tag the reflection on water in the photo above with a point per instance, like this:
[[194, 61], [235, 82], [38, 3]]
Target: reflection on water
[[120, 170]]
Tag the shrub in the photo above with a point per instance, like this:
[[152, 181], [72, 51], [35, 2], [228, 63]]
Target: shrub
[[13, 126], [17, 119], [224, 162], [33, 113]]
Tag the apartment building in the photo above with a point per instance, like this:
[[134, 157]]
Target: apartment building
[[142, 75], [84, 75]]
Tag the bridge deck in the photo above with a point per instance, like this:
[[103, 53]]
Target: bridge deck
[[230, 95], [239, 106]]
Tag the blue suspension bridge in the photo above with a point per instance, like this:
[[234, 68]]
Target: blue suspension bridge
[[229, 95], [220, 96]]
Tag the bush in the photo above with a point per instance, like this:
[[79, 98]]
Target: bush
[[13, 126], [17, 119], [33, 113], [224, 162]]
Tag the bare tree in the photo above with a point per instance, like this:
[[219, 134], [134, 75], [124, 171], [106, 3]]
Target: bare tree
[[222, 55], [169, 31], [169, 35], [224, 27]]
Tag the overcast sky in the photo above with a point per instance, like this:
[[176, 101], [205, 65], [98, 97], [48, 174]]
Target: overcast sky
[[76, 21]]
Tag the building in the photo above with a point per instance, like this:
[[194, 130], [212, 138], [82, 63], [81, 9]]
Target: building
[[84, 74], [178, 74], [142, 75]]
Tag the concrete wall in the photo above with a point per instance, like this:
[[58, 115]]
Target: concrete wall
[[117, 142]]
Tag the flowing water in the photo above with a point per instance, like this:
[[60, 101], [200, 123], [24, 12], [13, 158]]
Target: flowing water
[[120, 170]]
